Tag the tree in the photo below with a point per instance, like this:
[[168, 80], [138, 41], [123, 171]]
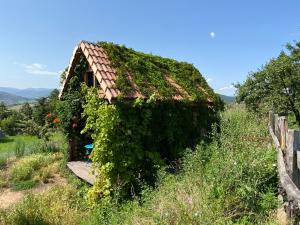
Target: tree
[[53, 100], [11, 124], [276, 86], [40, 111], [4, 112], [26, 110], [54, 95]]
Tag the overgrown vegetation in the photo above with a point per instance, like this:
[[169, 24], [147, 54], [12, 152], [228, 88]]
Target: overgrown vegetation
[[132, 140], [149, 74], [54, 207], [30, 170], [232, 180], [276, 86], [25, 145], [69, 111]]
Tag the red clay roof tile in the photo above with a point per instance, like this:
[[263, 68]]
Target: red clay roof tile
[[103, 74], [107, 75]]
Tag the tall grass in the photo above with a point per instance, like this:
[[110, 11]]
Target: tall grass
[[8, 144], [51, 208], [3, 160], [33, 169], [19, 148]]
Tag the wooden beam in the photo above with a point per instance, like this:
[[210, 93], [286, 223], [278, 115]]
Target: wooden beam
[[85, 78], [94, 81], [272, 120]]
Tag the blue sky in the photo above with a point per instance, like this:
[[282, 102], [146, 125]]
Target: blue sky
[[225, 40]]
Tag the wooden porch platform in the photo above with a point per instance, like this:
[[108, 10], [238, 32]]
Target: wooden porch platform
[[83, 170]]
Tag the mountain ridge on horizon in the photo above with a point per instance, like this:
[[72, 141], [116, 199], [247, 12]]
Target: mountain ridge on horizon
[[19, 95], [30, 93]]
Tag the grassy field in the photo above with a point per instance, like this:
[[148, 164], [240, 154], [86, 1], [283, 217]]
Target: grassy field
[[231, 180], [7, 145]]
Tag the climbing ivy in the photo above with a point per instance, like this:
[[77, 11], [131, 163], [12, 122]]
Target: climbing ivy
[[69, 109], [149, 71], [133, 139]]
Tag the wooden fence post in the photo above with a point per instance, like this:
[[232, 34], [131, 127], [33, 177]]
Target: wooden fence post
[[272, 120], [276, 127], [283, 130], [291, 155]]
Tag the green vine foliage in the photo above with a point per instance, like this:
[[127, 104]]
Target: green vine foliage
[[132, 140], [69, 109], [149, 71]]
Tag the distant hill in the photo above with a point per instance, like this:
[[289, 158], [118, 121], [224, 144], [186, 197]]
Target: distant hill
[[227, 99], [11, 99], [30, 93], [11, 96]]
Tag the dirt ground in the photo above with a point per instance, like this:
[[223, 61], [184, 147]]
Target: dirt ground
[[9, 198]]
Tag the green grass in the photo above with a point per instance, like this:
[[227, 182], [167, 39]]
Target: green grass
[[33, 169], [7, 145], [231, 180], [30, 161], [23, 145], [24, 185]]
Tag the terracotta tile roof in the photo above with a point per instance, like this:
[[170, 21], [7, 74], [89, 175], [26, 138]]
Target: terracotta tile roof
[[181, 93], [101, 67]]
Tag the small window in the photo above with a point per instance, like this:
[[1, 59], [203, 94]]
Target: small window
[[90, 79]]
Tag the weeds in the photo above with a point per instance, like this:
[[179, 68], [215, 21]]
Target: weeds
[[33, 169], [19, 148], [3, 160], [54, 207]]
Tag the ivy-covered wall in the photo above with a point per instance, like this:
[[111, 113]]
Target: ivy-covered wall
[[69, 111], [132, 140]]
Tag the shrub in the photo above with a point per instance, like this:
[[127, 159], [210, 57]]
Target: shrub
[[10, 125], [53, 207], [24, 185], [45, 147], [3, 160], [19, 148], [48, 147], [30, 127], [3, 179], [33, 169]]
